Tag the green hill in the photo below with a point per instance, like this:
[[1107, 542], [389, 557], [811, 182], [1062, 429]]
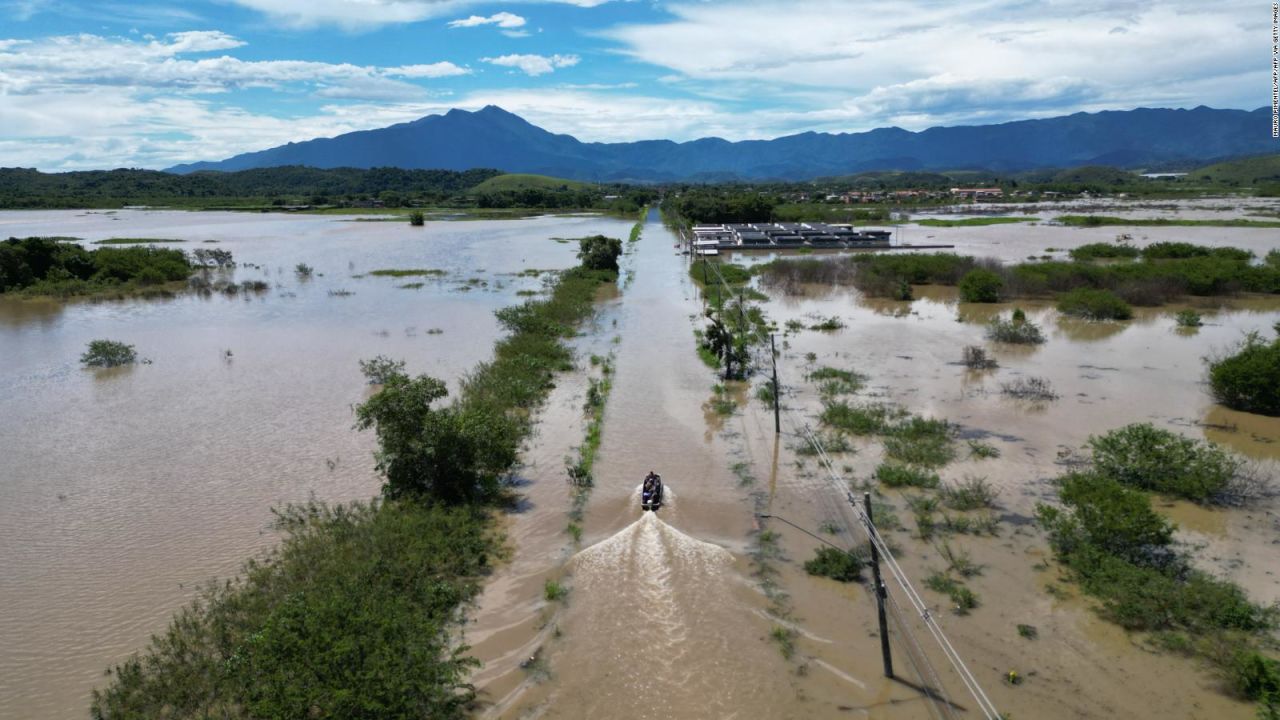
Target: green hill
[[512, 182], [1264, 169]]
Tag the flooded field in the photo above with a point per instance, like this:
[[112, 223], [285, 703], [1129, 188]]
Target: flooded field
[[121, 491], [666, 616]]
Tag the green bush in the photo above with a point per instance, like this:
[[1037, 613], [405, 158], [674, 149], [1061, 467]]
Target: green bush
[[835, 564], [1012, 331], [354, 615], [1188, 318], [896, 476], [1094, 305], [1101, 250], [417, 218], [1249, 378], [599, 252], [108, 353], [1150, 458], [381, 369], [981, 286]]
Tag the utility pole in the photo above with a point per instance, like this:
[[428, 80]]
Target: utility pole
[[880, 590], [777, 394]]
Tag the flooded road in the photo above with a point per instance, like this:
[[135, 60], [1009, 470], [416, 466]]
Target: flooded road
[[669, 616], [123, 490]]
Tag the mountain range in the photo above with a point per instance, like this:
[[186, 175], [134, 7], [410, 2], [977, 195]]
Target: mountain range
[[493, 137]]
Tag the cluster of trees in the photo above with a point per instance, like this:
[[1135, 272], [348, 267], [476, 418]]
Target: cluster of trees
[[52, 266], [714, 206], [26, 188]]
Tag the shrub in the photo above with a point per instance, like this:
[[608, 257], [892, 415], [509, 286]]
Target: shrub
[[303, 270], [895, 475], [1188, 318], [920, 441], [972, 493], [867, 419], [417, 218], [1012, 331], [599, 252], [1093, 251], [975, 358], [836, 564], [108, 353], [1149, 458], [981, 286], [1030, 388], [1094, 305], [1249, 378]]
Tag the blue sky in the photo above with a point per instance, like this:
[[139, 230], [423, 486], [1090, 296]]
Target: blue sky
[[116, 84]]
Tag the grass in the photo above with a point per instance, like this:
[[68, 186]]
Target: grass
[[963, 600], [785, 639], [982, 450], [974, 221], [909, 439], [1036, 389], [1028, 631], [408, 272]]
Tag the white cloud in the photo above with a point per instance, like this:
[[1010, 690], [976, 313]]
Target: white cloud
[[502, 20], [534, 65], [364, 14], [921, 62], [431, 70]]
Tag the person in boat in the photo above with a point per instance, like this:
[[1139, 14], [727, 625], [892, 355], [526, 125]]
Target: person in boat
[[652, 489]]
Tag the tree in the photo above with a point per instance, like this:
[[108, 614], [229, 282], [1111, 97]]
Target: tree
[[981, 286], [599, 252], [1249, 379], [108, 353], [454, 455]]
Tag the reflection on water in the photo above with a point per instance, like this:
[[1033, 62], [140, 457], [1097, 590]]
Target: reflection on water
[[122, 490]]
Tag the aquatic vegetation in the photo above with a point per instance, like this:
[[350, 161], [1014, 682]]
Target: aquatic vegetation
[[303, 271], [108, 353], [1094, 305], [554, 591], [962, 598], [983, 450], [1150, 458], [1028, 631], [1248, 377], [829, 324], [839, 565]]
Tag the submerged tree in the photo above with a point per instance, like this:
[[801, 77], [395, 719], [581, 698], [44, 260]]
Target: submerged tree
[[108, 353]]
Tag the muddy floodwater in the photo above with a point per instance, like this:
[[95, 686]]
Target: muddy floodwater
[[680, 614], [121, 491]]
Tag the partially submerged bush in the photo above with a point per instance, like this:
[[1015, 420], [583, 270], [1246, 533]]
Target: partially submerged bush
[[1094, 305], [1036, 389], [599, 252], [1150, 458], [1013, 331], [835, 564], [975, 358], [1188, 318], [895, 475], [972, 493], [1249, 378], [108, 353], [981, 286], [417, 218]]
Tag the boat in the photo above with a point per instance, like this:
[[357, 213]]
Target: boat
[[651, 492]]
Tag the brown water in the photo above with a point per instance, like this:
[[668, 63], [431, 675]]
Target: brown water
[[123, 490], [665, 617]]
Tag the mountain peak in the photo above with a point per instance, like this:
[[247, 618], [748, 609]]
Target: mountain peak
[[494, 137]]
